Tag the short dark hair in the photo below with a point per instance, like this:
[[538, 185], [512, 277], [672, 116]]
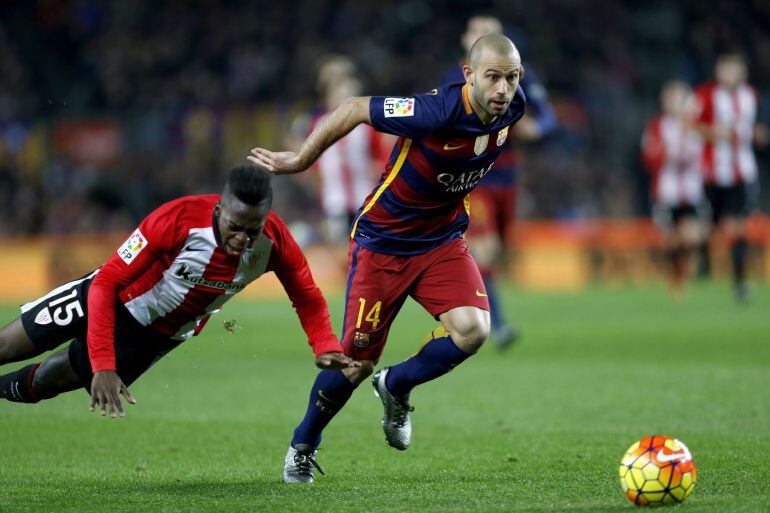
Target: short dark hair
[[250, 183]]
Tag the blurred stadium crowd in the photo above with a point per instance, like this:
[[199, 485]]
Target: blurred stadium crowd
[[109, 108]]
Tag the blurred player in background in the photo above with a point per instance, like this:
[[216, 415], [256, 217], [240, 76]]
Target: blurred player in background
[[407, 239], [671, 154], [493, 203], [726, 114], [186, 259], [347, 171]]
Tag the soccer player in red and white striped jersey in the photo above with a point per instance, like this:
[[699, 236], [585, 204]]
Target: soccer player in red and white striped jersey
[[347, 169], [671, 153], [726, 113], [179, 267]]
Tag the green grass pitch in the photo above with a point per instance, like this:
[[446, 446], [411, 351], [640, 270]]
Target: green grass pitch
[[541, 427]]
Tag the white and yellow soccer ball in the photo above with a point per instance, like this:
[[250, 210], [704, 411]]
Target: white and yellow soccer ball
[[657, 470]]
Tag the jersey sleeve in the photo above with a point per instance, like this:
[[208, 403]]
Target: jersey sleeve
[[290, 266], [652, 147], [154, 237], [414, 117], [703, 108]]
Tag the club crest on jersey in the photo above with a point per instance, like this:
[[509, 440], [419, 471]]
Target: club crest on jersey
[[481, 144], [502, 136], [43, 317], [132, 247], [360, 339], [398, 107]]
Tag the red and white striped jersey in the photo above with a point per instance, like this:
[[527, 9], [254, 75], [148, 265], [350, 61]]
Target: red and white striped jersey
[[671, 153], [731, 161], [172, 273], [347, 169]]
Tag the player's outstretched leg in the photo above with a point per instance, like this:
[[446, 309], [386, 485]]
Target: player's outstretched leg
[[15, 345], [330, 392], [38, 381], [17, 386], [463, 332]]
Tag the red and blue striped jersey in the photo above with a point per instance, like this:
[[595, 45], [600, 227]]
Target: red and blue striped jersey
[[443, 152]]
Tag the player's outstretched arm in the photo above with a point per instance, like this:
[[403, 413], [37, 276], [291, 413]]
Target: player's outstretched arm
[[336, 125], [106, 388], [335, 360]]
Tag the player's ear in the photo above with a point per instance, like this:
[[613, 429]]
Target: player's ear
[[217, 209], [467, 73], [522, 72]]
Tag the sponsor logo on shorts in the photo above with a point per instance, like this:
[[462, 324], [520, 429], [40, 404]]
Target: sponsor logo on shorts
[[449, 147], [360, 339], [480, 294], [132, 247], [43, 317], [398, 107]]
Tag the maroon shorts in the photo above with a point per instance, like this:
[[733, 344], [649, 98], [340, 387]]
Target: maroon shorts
[[493, 211], [378, 284]]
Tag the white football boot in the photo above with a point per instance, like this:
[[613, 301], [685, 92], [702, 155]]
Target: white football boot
[[299, 463], [395, 422]]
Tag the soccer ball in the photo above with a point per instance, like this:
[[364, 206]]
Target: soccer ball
[[657, 470]]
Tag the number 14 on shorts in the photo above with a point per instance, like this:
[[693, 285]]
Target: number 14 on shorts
[[373, 316]]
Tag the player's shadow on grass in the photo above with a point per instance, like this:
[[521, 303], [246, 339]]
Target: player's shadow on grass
[[206, 488]]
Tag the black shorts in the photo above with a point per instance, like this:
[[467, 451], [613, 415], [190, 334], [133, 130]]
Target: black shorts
[[682, 212], [732, 201], [669, 217], [62, 315]]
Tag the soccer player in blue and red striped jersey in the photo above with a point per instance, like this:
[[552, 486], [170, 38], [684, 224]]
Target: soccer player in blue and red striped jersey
[[407, 239]]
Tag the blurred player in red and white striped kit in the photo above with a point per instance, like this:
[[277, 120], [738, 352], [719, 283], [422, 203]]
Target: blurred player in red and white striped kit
[[725, 116], [347, 170], [671, 153]]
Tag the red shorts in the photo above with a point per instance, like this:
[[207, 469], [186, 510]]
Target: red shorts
[[378, 284], [493, 211]]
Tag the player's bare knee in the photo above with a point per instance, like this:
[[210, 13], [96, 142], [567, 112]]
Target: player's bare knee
[[54, 376], [469, 327], [472, 337], [357, 375]]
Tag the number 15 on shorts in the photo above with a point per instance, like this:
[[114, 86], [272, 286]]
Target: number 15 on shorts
[[373, 316]]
